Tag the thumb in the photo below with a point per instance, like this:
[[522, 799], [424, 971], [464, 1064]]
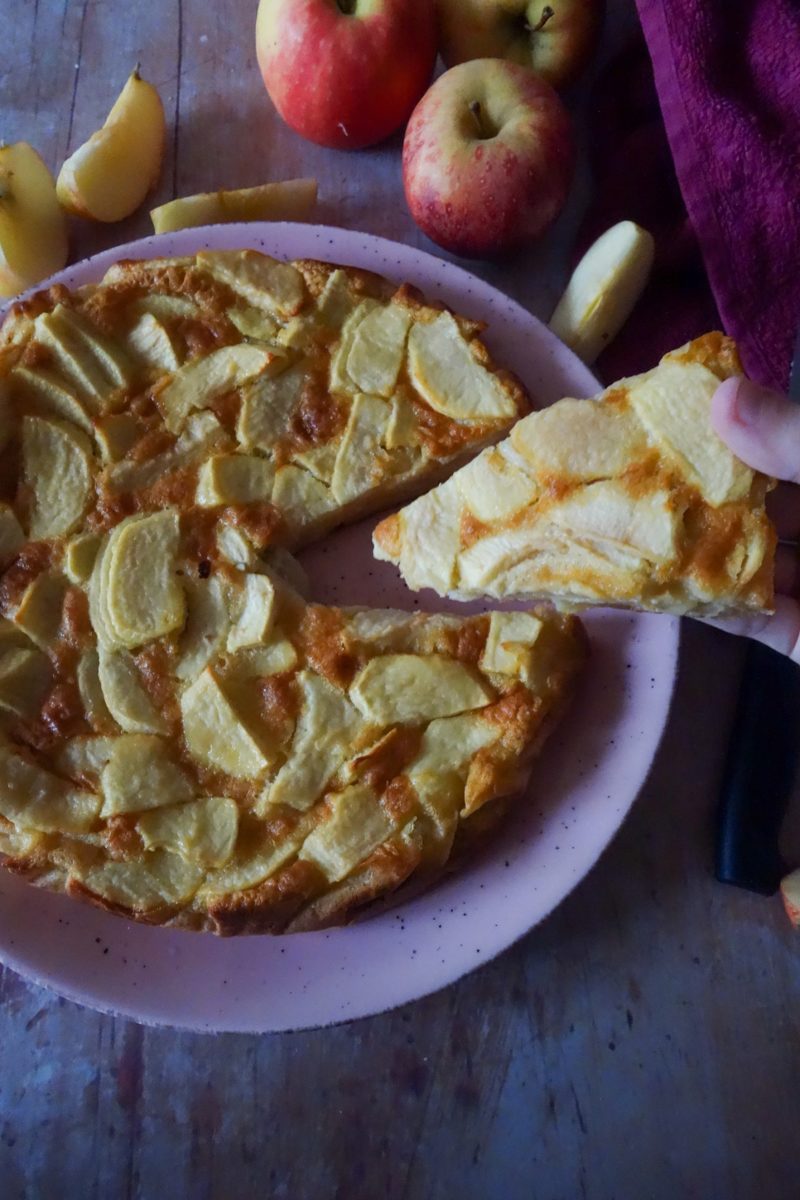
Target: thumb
[[780, 631], [760, 426]]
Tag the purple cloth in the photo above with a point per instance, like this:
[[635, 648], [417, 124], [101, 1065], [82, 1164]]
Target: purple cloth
[[727, 74], [729, 92], [635, 180]]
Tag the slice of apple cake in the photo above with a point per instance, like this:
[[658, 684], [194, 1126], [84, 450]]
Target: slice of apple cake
[[630, 499]]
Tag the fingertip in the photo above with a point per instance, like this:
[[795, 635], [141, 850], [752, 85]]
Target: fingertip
[[734, 419], [723, 405], [780, 630], [760, 426]]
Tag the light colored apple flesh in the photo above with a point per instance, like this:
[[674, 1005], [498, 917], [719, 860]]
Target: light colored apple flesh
[[603, 289], [790, 894], [33, 229], [289, 200], [108, 177], [553, 37]]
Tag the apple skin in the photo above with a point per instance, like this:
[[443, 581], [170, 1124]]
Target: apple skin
[[480, 196], [558, 50], [346, 79], [790, 894]]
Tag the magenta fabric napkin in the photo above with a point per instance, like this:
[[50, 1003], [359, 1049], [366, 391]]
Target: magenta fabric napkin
[[635, 180], [727, 76], [728, 79]]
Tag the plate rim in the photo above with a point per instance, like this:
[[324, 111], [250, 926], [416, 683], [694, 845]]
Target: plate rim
[[452, 274], [252, 230]]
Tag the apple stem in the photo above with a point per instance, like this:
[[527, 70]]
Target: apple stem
[[477, 112], [547, 13]]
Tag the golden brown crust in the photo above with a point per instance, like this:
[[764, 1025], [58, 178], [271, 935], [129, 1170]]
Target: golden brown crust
[[364, 283]]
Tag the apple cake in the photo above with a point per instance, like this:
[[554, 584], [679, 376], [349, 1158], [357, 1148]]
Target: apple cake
[[630, 499], [183, 738]]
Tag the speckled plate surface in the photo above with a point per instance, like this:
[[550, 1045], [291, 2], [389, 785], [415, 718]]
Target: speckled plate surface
[[583, 786]]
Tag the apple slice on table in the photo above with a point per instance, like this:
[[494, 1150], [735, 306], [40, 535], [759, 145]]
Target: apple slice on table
[[289, 200], [553, 37], [108, 177], [487, 158], [33, 229], [603, 289]]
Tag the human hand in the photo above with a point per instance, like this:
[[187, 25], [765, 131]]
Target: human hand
[[763, 429]]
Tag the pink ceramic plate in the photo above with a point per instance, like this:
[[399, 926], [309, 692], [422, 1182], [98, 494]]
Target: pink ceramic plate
[[585, 783]]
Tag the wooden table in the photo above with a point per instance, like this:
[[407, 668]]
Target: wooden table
[[644, 1042]]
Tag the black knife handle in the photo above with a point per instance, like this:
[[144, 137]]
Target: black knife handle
[[759, 772]]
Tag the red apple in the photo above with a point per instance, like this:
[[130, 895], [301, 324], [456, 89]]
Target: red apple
[[487, 158], [554, 37], [346, 73], [790, 894]]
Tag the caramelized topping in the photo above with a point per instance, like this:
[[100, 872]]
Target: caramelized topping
[[472, 530], [441, 435], [319, 416], [36, 355], [122, 837], [226, 409], [33, 559], [156, 666], [379, 766], [61, 717], [323, 641], [465, 642], [260, 520], [199, 535], [110, 508], [399, 799], [76, 628], [174, 490], [278, 702], [710, 535]]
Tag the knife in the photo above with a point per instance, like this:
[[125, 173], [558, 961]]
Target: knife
[[761, 763]]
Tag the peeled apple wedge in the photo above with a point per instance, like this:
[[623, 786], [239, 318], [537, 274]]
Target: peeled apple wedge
[[790, 894], [33, 229], [108, 177], [603, 289], [290, 200]]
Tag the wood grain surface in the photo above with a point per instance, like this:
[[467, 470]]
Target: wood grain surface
[[643, 1043]]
